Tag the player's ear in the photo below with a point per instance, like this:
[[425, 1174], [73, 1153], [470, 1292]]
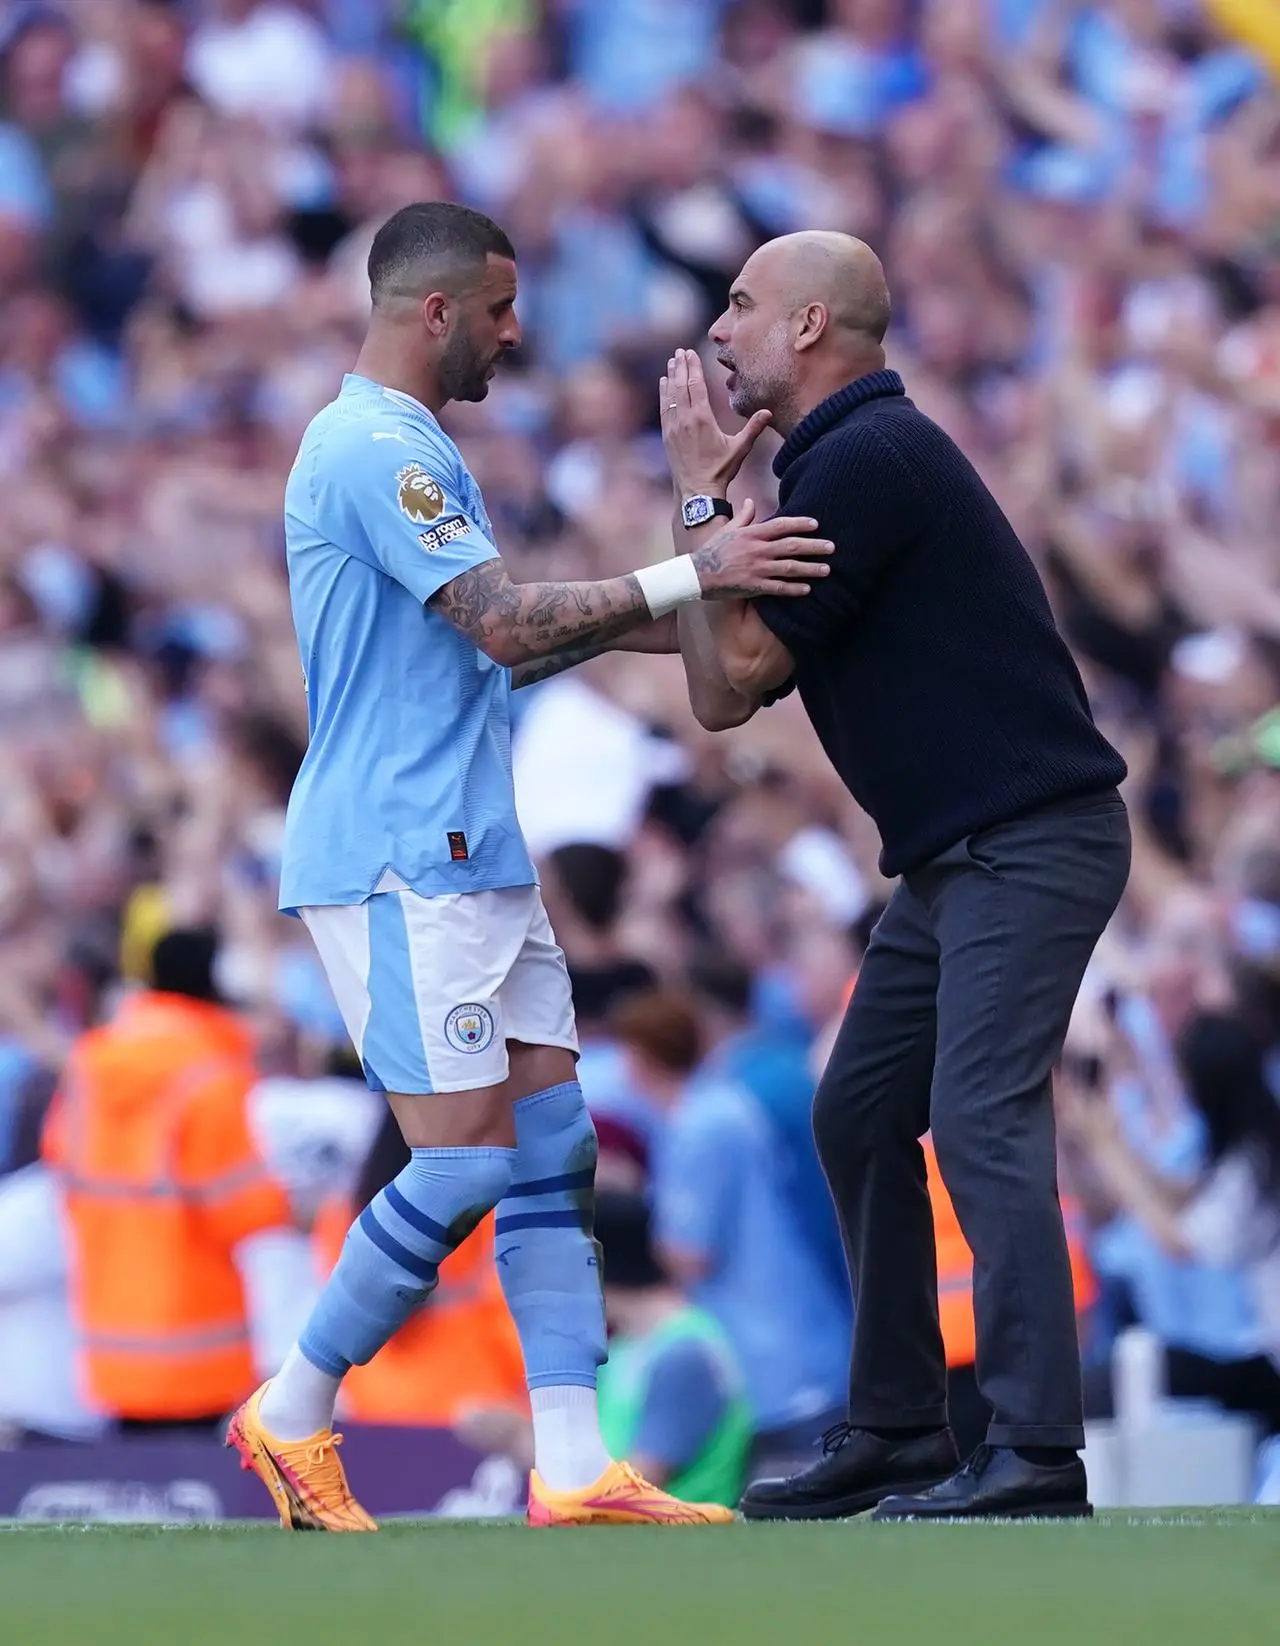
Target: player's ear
[[435, 313], [813, 319]]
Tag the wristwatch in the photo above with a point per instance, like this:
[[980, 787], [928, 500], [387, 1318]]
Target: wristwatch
[[696, 511]]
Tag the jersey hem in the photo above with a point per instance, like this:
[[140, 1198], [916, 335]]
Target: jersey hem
[[434, 883]]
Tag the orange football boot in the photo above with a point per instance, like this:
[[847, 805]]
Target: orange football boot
[[621, 1497], [305, 1477]]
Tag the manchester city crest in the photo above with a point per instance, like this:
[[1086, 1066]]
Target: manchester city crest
[[469, 1028]]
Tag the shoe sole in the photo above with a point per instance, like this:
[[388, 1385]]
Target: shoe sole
[[542, 1517], [609, 1520], [843, 1508], [1038, 1511]]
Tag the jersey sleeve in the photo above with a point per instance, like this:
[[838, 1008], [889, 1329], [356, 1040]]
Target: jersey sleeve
[[859, 491], [399, 503]]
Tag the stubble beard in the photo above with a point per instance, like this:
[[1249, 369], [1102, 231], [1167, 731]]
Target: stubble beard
[[766, 388], [463, 370]]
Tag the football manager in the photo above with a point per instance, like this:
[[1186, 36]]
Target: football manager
[[930, 667]]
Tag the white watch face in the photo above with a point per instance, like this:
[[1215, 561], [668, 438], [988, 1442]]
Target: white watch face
[[697, 511]]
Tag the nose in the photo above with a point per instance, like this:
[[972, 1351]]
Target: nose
[[719, 331], [511, 336]]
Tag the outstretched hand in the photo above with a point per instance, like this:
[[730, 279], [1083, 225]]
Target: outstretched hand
[[703, 458], [753, 557]]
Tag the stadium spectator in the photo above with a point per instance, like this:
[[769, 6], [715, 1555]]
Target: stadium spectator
[[1230, 1215], [773, 1066], [725, 1231], [41, 1397], [266, 60], [1123, 1062], [584, 886]]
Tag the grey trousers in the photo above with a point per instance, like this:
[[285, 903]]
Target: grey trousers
[[958, 1018]]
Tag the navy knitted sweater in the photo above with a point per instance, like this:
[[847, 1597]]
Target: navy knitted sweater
[[928, 661]]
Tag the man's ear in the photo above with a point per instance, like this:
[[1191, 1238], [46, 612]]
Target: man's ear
[[435, 313], [814, 320]]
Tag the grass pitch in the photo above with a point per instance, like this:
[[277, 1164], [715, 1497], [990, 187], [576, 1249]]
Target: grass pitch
[[1175, 1579]]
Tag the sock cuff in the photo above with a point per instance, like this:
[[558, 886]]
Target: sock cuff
[[566, 1088], [561, 1380], [464, 1154], [314, 1350]]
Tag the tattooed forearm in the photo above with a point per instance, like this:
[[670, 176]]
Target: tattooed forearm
[[542, 668], [515, 623], [558, 601], [658, 638]]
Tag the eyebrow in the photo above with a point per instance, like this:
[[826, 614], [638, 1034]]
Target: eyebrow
[[739, 292]]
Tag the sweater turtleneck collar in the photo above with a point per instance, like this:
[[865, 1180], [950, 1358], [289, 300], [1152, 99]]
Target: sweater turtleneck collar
[[834, 409]]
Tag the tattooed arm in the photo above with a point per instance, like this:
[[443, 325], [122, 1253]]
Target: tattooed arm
[[515, 623], [658, 637]]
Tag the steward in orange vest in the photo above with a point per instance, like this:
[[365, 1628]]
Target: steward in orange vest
[[149, 1137]]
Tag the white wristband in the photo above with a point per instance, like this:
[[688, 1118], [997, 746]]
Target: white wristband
[[669, 584]]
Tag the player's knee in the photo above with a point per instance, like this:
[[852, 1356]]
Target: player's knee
[[391, 1256], [555, 1137], [486, 1179]]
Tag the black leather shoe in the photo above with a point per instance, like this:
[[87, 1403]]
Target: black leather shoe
[[996, 1484], [856, 1470]]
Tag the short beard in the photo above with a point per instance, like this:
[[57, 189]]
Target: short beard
[[464, 373], [761, 395], [767, 389]]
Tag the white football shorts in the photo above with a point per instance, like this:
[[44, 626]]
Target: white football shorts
[[432, 988]]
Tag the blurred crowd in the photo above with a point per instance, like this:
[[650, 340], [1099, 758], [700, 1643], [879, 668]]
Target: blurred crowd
[[1079, 209]]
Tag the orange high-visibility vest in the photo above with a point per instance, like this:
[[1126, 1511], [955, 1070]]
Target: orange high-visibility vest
[[955, 1267], [150, 1139], [459, 1351], [955, 1261]]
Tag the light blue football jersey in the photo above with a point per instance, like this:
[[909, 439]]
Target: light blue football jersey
[[408, 768]]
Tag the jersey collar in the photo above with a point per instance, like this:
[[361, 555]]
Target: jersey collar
[[876, 385], [354, 379]]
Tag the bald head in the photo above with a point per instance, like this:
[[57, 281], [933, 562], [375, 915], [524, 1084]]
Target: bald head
[[835, 270], [808, 313]]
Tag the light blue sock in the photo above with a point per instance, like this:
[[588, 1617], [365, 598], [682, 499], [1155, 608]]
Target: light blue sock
[[393, 1251], [547, 1256]]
